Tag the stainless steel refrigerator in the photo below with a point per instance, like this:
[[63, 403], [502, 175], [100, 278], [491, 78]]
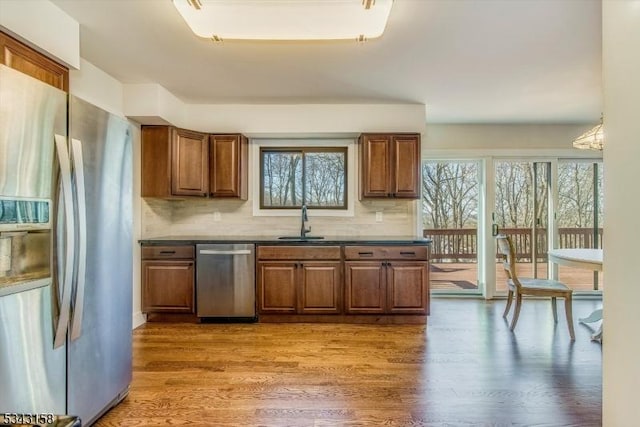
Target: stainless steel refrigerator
[[65, 252]]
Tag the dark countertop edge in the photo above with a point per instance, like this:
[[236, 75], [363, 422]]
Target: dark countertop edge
[[373, 240]]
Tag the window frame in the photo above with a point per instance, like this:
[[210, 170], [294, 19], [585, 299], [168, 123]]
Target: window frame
[[303, 150]]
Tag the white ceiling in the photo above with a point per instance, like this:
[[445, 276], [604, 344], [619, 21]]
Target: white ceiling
[[468, 61]]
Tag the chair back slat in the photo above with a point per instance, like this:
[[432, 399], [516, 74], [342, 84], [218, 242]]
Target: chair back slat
[[506, 248]]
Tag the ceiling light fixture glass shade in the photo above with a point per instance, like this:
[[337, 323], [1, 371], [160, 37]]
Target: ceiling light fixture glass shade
[[592, 139], [286, 19]]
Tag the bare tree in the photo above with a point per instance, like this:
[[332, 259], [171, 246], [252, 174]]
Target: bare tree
[[450, 195]]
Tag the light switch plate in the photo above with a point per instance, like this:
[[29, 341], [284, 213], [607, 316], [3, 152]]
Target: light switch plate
[[216, 216], [378, 216]]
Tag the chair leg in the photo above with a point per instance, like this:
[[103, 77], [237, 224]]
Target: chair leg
[[554, 308], [508, 307], [569, 312], [516, 312]]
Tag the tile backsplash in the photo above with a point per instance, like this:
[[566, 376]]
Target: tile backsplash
[[235, 218]]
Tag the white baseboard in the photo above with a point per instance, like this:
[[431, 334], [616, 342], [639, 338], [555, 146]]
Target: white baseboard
[[138, 319]]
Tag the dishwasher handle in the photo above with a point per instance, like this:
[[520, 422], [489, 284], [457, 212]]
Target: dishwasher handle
[[222, 252]]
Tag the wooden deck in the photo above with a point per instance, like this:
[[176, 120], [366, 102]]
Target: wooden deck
[[463, 276], [459, 249]]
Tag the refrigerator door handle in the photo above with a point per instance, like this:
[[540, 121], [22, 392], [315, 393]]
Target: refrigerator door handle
[[78, 305], [65, 176]]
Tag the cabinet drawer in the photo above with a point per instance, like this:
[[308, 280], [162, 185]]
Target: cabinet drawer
[[386, 252], [168, 252], [298, 252]]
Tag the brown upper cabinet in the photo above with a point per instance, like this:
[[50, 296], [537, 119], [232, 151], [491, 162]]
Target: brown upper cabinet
[[390, 165], [183, 163], [190, 163], [228, 166], [21, 57], [175, 162]]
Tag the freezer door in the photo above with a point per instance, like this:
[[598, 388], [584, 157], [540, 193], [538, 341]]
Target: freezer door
[[32, 372], [31, 113], [99, 361]]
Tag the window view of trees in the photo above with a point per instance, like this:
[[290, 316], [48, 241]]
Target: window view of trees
[[450, 203], [292, 177], [516, 184], [577, 194], [450, 195], [282, 179]]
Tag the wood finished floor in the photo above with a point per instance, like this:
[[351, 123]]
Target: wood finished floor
[[464, 369]]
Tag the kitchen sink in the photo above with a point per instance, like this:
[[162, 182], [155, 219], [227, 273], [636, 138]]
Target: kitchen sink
[[300, 238]]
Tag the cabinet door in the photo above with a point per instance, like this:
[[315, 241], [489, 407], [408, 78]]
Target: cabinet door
[[375, 166], [364, 287], [407, 287], [20, 57], [190, 163], [277, 287], [228, 166], [167, 286], [320, 287], [156, 161], [405, 177]]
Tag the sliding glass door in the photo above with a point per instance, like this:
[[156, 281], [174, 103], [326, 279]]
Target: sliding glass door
[[580, 217], [539, 203], [522, 194], [450, 197]]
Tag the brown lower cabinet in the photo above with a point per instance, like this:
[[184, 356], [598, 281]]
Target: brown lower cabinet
[[386, 280], [168, 279], [380, 283], [386, 287], [315, 283], [299, 280]]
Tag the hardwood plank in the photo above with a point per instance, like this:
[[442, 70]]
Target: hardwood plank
[[464, 369]]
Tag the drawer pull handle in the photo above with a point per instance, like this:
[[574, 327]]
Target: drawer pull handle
[[408, 253], [167, 252], [365, 253]]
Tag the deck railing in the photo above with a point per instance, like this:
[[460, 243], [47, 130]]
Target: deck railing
[[460, 245]]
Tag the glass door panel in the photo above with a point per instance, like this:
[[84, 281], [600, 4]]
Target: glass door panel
[[522, 212], [580, 218], [450, 192]]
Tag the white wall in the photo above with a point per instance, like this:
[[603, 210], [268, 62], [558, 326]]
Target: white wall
[[502, 138], [621, 345], [314, 119], [95, 86], [43, 26]]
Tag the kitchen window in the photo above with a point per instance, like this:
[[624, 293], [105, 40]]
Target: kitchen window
[[294, 176]]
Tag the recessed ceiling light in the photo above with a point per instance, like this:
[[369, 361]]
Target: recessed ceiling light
[[285, 19]]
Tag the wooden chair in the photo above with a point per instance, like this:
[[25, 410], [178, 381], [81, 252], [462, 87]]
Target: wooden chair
[[535, 287]]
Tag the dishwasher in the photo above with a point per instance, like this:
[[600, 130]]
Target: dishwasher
[[225, 282]]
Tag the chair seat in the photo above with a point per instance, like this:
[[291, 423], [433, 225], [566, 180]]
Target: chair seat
[[541, 284]]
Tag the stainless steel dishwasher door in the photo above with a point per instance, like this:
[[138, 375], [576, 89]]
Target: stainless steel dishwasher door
[[225, 281]]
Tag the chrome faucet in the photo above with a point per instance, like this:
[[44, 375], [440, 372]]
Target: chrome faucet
[[303, 230]]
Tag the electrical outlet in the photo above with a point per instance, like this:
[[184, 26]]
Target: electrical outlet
[[378, 216], [216, 216]]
